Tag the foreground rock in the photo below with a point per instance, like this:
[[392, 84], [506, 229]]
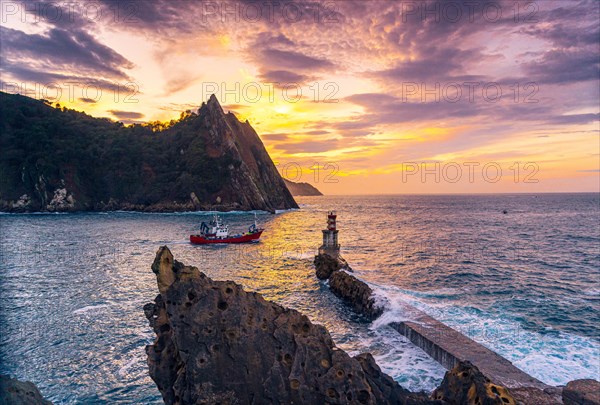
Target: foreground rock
[[465, 384], [15, 392], [217, 343], [582, 392], [357, 293]]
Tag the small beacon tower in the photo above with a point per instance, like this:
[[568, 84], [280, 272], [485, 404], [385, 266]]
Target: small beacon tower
[[330, 237]]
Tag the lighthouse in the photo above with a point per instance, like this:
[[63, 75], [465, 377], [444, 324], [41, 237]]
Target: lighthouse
[[330, 237]]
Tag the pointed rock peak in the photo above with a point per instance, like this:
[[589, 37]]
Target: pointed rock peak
[[213, 104]]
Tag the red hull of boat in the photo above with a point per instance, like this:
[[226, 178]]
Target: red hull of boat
[[201, 240]]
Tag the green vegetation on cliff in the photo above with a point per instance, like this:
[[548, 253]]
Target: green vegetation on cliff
[[62, 160]]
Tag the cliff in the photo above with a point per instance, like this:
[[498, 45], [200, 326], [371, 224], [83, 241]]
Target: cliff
[[301, 189], [62, 160]]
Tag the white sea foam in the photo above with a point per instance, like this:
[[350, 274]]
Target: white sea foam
[[123, 370], [282, 211], [592, 292], [90, 308], [554, 357], [399, 358]]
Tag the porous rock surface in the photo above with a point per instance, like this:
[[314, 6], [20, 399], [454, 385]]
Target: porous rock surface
[[465, 384]]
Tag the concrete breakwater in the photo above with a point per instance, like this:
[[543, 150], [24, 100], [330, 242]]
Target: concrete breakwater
[[450, 348]]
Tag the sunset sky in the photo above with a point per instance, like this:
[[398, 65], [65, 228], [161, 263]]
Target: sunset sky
[[381, 96]]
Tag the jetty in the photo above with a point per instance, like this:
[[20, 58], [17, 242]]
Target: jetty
[[449, 347]]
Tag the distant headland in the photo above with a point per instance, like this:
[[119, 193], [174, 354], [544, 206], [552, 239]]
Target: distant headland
[[301, 189], [61, 160]]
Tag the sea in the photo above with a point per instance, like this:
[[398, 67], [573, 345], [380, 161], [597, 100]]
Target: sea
[[517, 273]]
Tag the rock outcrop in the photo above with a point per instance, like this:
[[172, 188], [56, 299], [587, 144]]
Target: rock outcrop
[[326, 265], [581, 392], [15, 392], [466, 385], [301, 189], [217, 343], [64, 160], [357, 293], [354, 291]]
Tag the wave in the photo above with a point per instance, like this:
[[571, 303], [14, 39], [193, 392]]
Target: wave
[[592, 292], [123, 370], [288, 210], [90, 308], [554, 357]]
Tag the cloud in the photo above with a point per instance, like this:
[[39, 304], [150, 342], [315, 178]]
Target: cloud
[[75, 51], [283, 61], [20, 72], [294, 60], [275, 136], [438, 64], [574, 119], [269, 40], [561, 66], [284, 77], [309, 146], [386, 109], [126, 115]]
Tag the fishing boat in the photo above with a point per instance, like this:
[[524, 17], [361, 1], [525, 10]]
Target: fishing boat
[[216, 232]]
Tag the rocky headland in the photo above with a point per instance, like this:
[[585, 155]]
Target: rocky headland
[[60, 160]]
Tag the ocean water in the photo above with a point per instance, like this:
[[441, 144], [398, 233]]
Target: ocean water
[[525, 284]]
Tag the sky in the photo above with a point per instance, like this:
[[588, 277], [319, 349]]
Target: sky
[[354, 97]]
